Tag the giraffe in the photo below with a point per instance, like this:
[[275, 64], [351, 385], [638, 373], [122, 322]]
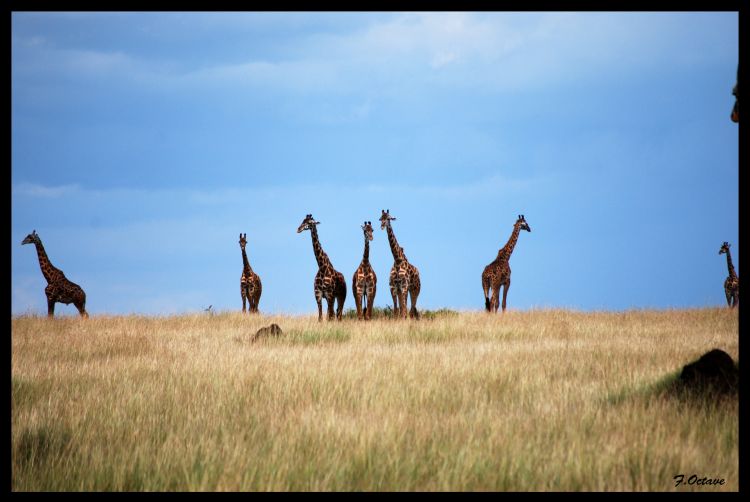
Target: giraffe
[[250, 285], [364, 282], [736, 92], [404, 277], [59, 289], [329, 283], [497, 273], [732, 283]]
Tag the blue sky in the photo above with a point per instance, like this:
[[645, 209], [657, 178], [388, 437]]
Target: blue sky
[[144, 143]]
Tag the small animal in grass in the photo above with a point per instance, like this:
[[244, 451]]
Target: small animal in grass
[[272, 330]]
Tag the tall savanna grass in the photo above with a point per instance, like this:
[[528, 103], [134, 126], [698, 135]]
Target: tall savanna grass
[[533, 400]]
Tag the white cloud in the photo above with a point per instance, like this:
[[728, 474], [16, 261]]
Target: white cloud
[[35, 190], [443, 58], [493, 51]]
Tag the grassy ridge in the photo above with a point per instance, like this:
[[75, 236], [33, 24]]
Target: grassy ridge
[[536, 400]]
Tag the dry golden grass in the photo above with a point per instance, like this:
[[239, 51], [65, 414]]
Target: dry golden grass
[[536, 400]]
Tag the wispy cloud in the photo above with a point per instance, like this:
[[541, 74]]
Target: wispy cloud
[[41, 191], [500, 51], [237, 195]]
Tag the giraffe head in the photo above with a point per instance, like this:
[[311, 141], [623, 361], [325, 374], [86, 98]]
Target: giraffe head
[[521, 222], [243, 241], [385, 218], [307, 224], [367, 229], [32, 238], [724, 248]]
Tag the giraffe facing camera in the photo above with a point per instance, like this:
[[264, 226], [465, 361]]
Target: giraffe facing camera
[[364, 282], [250, 285]]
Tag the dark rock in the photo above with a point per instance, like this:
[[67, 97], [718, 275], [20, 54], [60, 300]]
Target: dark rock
[[715, 370], [272, 330]]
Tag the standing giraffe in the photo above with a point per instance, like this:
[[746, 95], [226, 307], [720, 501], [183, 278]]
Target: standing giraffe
[[364, 282], [250, 285], [404, 277], [732, 283], [497, 273], [59, 289], [329, 283]]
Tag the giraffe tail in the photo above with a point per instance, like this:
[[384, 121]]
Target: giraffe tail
[[486, 304]]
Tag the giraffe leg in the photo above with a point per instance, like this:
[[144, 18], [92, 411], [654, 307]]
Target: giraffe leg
[[329, 300], [413, 311], [414, 293], [81, 306], [402, 303], [340, 308], [728, 294], [370, 303], [486, 288], [394, 295], [244, 296], [505, 292], [256, 299], [358, 303], [319, 300], [50, 307]]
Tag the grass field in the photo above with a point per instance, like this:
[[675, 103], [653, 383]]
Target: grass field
[[532, 400]]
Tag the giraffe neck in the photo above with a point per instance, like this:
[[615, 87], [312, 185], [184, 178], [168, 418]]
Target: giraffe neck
[[507, 250], [395, 248], [320, 256], [245, 262], [366, 254], [732, 273], [48, 270]]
